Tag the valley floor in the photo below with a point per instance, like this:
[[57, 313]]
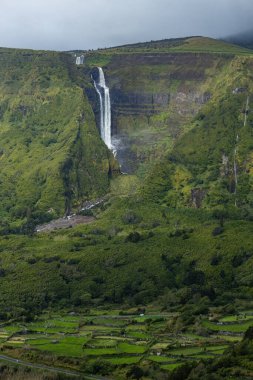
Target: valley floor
[[109, 343]]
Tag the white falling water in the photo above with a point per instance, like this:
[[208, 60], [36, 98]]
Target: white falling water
[[80, 60], [105, 108]]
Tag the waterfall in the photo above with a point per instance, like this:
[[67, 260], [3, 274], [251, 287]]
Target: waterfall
[[105, 109], [80, 60]]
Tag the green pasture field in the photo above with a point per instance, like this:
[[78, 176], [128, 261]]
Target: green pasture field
[[124, 360], [232, 327], [161, 359], [120, 342], [237, 318], [170, 367]]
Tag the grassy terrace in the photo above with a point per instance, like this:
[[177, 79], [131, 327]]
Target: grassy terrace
[[189, 45], [118, 340], [236, 327]]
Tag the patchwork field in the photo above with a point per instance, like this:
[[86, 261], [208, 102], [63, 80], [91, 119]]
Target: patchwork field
[[78, 341]]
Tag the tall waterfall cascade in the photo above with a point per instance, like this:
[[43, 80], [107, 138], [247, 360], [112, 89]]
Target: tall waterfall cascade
[[105, 109]]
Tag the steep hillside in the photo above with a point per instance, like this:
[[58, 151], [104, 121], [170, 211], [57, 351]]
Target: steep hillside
[[52, 157], [156, 90], [134, 253], [184, 123], [235, 364], [173, 235], [211, 165]]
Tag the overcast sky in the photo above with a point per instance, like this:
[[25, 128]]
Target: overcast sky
[[90, 24]]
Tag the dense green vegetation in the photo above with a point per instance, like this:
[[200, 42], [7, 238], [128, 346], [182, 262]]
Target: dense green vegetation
[[158, 251], [174, 236], [51, 152], [210, 166]]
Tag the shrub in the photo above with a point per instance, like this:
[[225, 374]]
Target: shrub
[[2, 272], [97, 231], [216, 259], [133, 237], [249, 333], [51, 259], [196, 277], [88, 212], [131, 218], [156, 223], [32, 260], [100, 366], [237, 260], [73, 261], [217, 231], [182, 372], [135, 372]]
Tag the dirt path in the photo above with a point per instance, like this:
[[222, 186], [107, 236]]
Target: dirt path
[[68, 222]]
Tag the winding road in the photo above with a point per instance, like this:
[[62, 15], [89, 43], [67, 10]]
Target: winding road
[[74, 374]]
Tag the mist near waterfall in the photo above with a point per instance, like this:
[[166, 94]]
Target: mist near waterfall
[[64, 25]]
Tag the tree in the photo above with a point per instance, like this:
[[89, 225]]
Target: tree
[[220, 213], [135, 372]]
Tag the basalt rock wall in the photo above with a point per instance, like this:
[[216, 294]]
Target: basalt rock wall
[[153, 98]]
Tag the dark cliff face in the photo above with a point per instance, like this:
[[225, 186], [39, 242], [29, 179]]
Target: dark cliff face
[[91, 93], [130, 109], [94, 102], [153, 97], [137, 103]]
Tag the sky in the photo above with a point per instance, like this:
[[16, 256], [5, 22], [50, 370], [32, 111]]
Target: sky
[[92, 24]]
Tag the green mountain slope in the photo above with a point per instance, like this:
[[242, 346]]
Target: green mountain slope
[[156, 90], [211, 165], [176, 231], [55, 160], [236, 363], [52, 157]]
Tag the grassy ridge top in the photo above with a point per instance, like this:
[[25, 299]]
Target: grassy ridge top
[[178, 45], [210, 45], [194, 45]]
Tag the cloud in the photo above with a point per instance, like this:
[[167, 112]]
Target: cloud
[[83, 24]]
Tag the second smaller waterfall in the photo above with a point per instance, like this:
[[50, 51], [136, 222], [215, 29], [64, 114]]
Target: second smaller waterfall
[[80, 60], [105, 108]]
